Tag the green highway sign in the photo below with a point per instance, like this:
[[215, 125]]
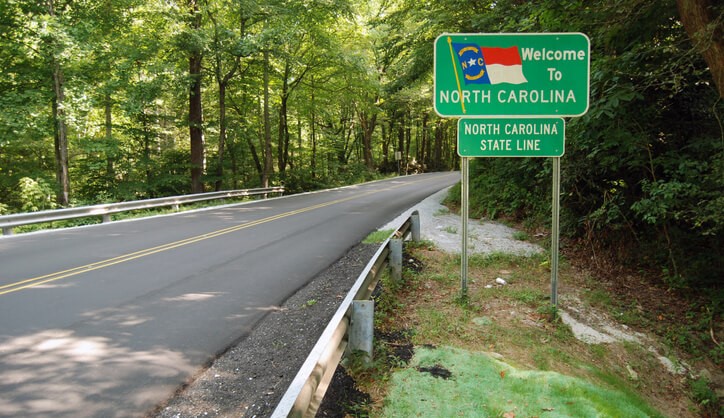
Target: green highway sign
[[512, 75], [531, 137]]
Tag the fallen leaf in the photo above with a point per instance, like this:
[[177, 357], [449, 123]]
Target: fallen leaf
[[509, 415], [502, 374]]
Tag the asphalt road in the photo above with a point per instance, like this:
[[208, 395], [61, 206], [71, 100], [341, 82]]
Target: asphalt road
[[109, 320]]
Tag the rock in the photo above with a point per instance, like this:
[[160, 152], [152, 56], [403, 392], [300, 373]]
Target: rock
[[584, 332], [671, 367], [483, 321], [501, 281], [632, 373]]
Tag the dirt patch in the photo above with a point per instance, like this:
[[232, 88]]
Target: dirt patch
[[436, 371], [343, 398], [398, 345]]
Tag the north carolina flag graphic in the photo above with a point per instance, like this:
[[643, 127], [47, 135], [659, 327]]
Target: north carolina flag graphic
[[490, 65]]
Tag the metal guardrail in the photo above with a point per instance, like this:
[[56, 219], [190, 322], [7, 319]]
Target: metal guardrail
[[8, 222], [305, 393]]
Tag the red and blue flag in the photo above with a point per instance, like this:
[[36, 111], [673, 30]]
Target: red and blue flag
[[490, 65]]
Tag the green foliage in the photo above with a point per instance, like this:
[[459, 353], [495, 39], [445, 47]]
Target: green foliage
[[643, 171], [377, 237], [125, 96], [521, 236], [35, 194], [706, 397], [303, 180]]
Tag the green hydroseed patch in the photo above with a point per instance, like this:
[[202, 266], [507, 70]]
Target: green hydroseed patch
[[478, 385]]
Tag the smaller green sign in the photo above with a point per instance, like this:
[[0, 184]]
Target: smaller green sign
[[511, 137]]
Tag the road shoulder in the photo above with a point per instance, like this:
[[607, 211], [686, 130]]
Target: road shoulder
[[249, 379]]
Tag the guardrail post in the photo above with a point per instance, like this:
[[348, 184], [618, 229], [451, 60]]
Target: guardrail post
[[362, 326], [415, 220], [7, 230], [355, 320], [106, 218], [396, 258]]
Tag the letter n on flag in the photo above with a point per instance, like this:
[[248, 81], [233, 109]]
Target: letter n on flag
[[490, 65]]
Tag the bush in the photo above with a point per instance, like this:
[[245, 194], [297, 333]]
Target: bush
[[35, 195]]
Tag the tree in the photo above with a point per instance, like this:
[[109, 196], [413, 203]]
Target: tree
[[704, 22], [268, 161], [55, 48], [98, 95], [196, 118]]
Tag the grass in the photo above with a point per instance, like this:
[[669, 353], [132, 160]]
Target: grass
[[450, 230], [482, 386], [378, 237], [548, 372], [442, 212], [521, 236]]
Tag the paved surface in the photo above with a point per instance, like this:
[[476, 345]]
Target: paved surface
[[107, 321], [445, 229]]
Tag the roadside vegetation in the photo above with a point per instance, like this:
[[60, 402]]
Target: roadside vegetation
[[134, 214], [504, 352]]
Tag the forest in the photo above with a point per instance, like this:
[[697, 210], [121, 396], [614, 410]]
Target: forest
[[112, 100]]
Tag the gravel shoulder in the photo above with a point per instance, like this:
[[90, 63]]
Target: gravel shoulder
[[444, 229], [250, 378]]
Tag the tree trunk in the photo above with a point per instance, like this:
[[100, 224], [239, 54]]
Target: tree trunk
[[408, 138], [147, 153], [313, 162], [255, 157], [222, 81], [300, 161], [425, 157], [60, 130], [61, 136], [437, 158], [268, 162], [110, 155], [401, 141], [367, 122], [283, 141], [195, 109], [385, 146], [222, 136], [706, 32], [234, 167]]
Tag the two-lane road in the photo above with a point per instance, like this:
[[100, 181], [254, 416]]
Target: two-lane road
[[108, 320]]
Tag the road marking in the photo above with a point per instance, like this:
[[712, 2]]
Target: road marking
[[36, 281]]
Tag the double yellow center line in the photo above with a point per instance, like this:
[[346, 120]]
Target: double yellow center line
[[36, 281]]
